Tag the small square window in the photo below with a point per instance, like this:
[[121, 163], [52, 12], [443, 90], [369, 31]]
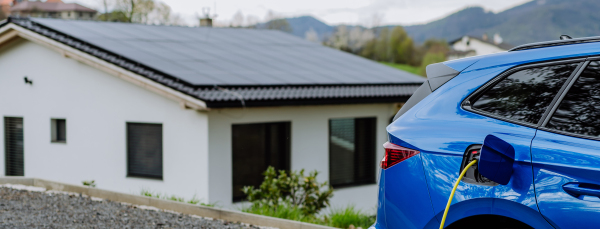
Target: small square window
[[59, 130]]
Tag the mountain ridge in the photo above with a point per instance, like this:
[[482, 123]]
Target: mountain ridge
[[534, 21]]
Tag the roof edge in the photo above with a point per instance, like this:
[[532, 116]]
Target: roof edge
[[187, 100]]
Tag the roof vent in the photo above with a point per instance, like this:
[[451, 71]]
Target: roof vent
[[206, 21], [565, 37]]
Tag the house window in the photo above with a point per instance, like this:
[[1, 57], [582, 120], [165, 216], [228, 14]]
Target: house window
[[255, 147], [144, 150], [352, 151], [13, 146], [59, 130]]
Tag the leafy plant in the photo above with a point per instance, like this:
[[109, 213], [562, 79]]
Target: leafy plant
[[297, 190], [91, 183]]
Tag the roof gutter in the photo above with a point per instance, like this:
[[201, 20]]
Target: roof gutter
[[9, 30]]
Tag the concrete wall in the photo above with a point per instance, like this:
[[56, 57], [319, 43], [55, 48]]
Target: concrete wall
[[309, 144], [96, 106]]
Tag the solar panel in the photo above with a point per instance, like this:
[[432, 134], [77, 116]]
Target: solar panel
[[230, 56]]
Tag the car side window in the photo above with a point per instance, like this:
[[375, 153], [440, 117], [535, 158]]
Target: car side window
[[525, 94], [579, 111]]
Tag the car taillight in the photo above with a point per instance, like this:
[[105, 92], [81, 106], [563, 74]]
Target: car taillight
[[395, 154]]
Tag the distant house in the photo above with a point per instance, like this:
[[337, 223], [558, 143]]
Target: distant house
[[190, 111], [472, 46], [52, 9], [5, 8]]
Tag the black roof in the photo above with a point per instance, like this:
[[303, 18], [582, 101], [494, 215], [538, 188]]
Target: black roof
[[225, 66]]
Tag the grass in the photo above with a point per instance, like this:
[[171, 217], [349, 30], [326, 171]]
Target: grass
[[344, 217], [404, 67], [194, 200], [337, 217]]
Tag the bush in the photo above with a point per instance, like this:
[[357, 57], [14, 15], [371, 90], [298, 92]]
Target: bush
[[295, 190]]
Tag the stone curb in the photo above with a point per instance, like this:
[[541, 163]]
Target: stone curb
[[191, 209]]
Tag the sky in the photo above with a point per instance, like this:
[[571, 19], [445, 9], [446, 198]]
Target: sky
[[332, 12]]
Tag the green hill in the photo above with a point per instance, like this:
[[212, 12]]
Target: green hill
[[534, 21]]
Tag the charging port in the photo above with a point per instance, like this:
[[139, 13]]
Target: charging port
[[473, 176]]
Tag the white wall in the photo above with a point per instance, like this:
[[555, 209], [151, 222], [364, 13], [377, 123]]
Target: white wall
[[96, 106], [309, 144], [480, 47]]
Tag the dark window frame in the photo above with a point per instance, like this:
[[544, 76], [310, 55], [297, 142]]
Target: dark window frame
[[55, 136], [466, 103], [128, 155], [372, 166], [286, 159]]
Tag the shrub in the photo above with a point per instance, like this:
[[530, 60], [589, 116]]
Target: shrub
[[296, 190]]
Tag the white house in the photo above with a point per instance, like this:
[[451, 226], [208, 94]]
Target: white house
[[190, 111], [472, 46]]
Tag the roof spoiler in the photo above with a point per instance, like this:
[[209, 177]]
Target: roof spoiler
[[437, 75]]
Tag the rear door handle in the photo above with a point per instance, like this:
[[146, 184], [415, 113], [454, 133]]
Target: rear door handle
[[582, 189]]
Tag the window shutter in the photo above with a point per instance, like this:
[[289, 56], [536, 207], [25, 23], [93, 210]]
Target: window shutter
[[255, 147], [13, 143], [352, 151], [144, 150]]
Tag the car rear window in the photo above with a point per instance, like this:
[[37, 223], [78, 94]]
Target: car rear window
[[579, 111], [525, 94]]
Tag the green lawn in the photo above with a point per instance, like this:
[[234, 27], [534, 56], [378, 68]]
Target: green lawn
[[404, 67]]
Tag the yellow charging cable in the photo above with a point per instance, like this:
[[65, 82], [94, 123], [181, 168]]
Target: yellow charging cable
[[454, 190]]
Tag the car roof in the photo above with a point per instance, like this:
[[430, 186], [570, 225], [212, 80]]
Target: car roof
[[526, 56]]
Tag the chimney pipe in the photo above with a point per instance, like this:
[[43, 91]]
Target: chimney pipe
[[206, 21]]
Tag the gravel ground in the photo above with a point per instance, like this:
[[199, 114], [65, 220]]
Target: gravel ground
[[23, 207]]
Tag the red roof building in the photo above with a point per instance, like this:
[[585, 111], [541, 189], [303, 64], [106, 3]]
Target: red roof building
[[51, 9]]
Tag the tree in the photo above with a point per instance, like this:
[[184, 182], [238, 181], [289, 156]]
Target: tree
[[136, 11], [275, 22], [382, 51], [2, 14], [105, 16], [114, 16], [163, 15], [280, 24], [238, 19], [311, 35], [401, 45], [431, 58], [251, 21]]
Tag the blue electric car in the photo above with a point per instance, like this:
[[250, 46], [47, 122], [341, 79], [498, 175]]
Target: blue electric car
[[542, 100]]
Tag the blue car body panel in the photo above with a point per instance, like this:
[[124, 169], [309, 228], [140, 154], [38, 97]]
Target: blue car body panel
[[442, 130], [405, 183], [559, 160]]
